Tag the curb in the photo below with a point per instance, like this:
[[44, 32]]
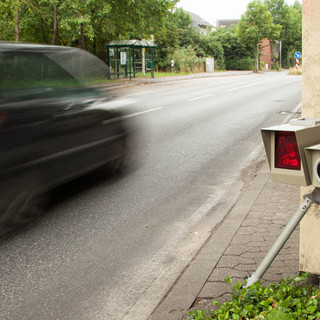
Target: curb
[[183, 293], [125, 83]]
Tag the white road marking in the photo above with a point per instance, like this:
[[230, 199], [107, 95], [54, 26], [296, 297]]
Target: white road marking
[[131, 115], [279, 78], [202, 97], [246, 86], [142, 112]]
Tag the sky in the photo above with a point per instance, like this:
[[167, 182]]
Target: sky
[[213, 10]]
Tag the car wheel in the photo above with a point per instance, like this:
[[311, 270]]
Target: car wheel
[[24, 202], [118, 165]]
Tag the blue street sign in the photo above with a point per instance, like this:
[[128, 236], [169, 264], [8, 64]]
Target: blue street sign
[[297, 55]]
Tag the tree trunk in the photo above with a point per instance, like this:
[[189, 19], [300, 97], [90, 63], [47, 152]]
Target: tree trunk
[[55, 25], [256, 59], [81, 40], [272, 56], [17, 25]]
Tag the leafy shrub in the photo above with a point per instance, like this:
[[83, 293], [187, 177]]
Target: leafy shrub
[[289, 299], [276, 67], [239, 64], [185, 59]]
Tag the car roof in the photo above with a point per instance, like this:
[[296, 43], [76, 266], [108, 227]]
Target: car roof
[[20, 46]]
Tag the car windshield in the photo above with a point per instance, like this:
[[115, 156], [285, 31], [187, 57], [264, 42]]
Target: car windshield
[[82, 65], [29, 74]]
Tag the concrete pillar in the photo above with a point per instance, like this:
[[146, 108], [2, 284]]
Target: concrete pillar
[[309, 259]]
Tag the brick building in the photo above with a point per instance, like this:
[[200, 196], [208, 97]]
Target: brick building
[[266, 54], [269, 53]]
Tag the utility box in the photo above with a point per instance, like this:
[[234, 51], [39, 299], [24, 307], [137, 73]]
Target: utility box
[[285, 145], [209, 64]]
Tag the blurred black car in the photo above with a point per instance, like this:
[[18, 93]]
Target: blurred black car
[[53, 127]]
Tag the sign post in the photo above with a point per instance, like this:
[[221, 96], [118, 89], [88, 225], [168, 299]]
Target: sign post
[[297, 55]]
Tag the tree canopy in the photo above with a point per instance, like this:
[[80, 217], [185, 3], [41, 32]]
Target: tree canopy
[[87, 24], [91, 24], [257, 24], [290, 18]]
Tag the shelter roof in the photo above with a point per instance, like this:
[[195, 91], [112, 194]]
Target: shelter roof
[[131, 44]]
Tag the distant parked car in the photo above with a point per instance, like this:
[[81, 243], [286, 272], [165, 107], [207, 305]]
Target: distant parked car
[[52, 127]]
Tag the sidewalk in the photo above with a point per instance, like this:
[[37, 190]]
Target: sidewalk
[[122, 83], [237, 247]]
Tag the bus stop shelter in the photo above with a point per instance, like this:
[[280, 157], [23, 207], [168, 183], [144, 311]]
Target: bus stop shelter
[[122, 57]]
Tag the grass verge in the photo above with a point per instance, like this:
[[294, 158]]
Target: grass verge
[[295, 72]]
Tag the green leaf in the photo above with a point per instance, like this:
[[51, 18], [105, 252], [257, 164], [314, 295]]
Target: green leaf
[[228, 280], [279, 315]]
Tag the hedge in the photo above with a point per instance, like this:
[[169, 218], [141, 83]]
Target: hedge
[[239, 64]]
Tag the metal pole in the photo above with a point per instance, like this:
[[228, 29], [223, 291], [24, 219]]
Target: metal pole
[[134, 62], [143, 62], [284, 236], [118, 63], [152, 67], [109, 63], [126, 66], [130, 62], [280, 53]]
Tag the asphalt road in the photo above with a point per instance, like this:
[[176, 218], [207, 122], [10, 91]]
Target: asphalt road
[[110, 248]]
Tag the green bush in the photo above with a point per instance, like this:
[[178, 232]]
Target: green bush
[[290, 299], [239, 64], [186, 60]]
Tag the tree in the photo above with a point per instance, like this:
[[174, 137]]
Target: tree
[[290, 19], [10, 12], [255, 25], [232, 49], [88, 24]]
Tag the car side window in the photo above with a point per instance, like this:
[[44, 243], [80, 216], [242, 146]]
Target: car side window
[[30, 73]]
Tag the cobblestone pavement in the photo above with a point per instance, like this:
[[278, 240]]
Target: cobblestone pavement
[[268, 215]]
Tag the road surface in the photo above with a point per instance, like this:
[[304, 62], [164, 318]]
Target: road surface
[[111, 248]]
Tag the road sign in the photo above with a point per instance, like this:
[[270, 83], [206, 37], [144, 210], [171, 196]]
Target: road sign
[[123, 58], [297, 55]]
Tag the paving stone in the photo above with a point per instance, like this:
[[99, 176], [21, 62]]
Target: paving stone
[[278, 264], [258, 244], [258, 215], [252, 231], [241, 249], [250, 222], [287, 258], [215, 290], [243, 238], [250, 268], [224, 298], [272, 277], [260, 208], [286, 272], [232, 261], [253, 255], [219, 274]]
